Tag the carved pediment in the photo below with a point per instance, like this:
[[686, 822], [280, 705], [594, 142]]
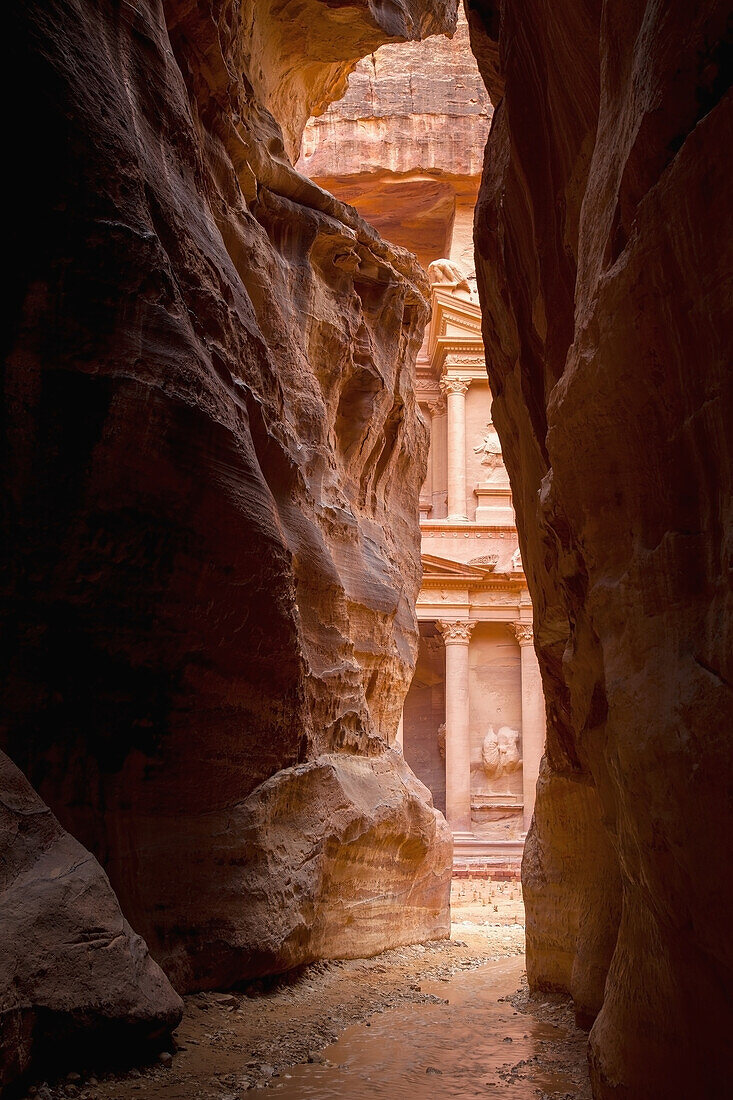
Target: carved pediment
[[435, 568], [455, 327], [452, 314]]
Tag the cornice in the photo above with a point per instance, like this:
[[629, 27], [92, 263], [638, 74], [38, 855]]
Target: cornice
[[477, 529], [447, 302], [433, 583], [468, 355]]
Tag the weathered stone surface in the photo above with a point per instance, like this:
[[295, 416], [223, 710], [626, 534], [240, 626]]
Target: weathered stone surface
[[359, 822], [297, 57], [604, 258], [405, 144], [570, 946], [72, 971], [213, 459], [418, 106], [333, 857]]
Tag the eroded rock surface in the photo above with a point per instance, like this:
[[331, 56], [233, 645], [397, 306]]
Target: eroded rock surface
[[214, 463], [405, 144], [603, 252], [72, 971], [370, 855]]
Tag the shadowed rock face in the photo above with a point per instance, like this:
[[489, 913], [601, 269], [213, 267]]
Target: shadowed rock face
[[603, 249], [214, 461], [72, 971]]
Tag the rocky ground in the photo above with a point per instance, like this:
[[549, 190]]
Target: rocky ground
[[230, 1043]]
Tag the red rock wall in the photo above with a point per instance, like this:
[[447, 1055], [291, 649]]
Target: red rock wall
[[603, 239], [409, 107], [74, 976], [214, 459], [405, 144]]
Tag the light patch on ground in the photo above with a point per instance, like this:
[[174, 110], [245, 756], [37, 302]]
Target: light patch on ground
[[231, 1043]]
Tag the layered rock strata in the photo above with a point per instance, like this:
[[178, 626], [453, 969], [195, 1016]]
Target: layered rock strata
[[73, 974], [214, 461], [603, 253], [405, 144]]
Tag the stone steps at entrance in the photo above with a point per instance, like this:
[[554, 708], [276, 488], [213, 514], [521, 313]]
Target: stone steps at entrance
[[500, 860], [493, 872]]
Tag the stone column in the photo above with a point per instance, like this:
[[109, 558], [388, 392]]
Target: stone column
[[426, 489], [437, 457], [455, 392], [533, 718], [457, 636]]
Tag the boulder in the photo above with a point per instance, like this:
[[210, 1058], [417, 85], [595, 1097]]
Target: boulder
[[75, 980], [345, 858]]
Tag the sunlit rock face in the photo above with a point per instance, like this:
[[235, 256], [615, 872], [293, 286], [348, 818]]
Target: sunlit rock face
[[214, 461], [405, 144], [603, 243]]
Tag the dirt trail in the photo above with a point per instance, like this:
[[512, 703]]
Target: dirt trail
[[451, 1018]]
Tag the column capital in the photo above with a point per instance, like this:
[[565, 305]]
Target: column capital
[[457, 633], [450, 385], [437, 407], [524, 633]]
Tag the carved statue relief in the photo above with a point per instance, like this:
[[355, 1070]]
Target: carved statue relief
[[449, 274], [490, 450], [500, 752], [441, 740]]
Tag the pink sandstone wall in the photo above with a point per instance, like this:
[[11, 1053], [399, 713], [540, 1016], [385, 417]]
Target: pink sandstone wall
[[604, 252], [212, 463]]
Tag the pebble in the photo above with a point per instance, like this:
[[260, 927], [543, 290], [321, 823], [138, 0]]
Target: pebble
[[165, 1058], [433, 1069]]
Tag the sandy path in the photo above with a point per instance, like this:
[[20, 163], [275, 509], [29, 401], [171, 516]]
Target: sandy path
[[451, 1018]]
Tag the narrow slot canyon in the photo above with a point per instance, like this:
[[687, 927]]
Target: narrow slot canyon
[[367, 701]]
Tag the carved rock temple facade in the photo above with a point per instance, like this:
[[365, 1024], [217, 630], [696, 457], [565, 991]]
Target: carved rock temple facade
[[408, 154], [473, 725]]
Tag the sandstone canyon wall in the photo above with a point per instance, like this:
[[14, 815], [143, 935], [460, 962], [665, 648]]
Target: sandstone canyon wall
[[405, 145], [74, 976], [603, 241], [211, 542]]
